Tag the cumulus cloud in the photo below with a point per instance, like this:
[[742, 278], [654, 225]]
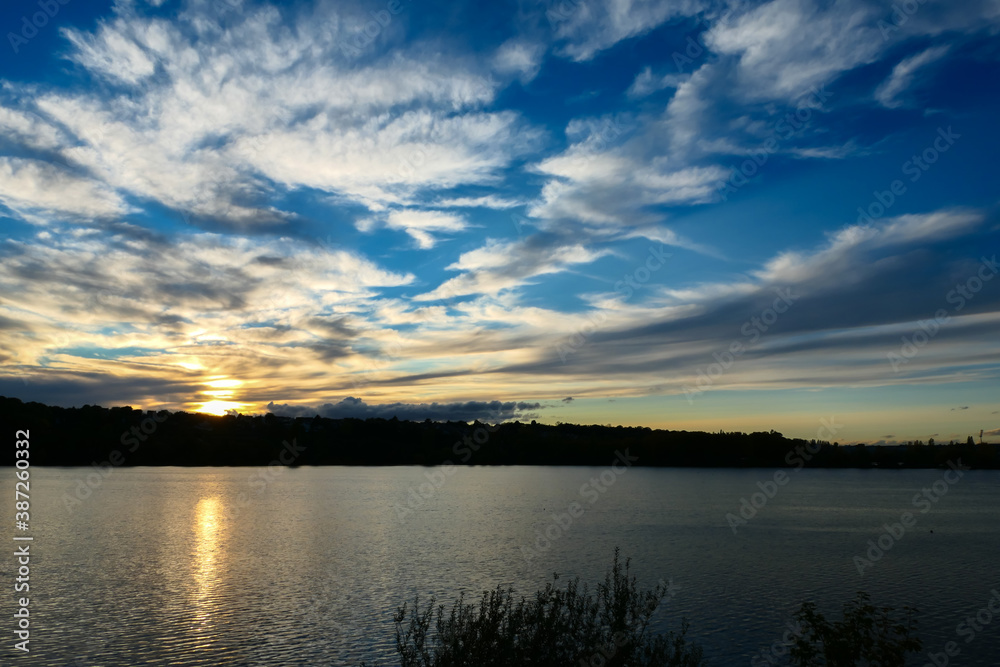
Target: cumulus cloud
[[350, 407]]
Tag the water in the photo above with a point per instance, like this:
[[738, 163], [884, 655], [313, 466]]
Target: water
[[237, 566]]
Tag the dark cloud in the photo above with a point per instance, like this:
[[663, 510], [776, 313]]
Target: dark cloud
[[568, 399], [334, 326], [485, 411], [75, 390], [964, 407]]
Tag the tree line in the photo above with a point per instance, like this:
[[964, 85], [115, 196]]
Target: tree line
[[125, 436]]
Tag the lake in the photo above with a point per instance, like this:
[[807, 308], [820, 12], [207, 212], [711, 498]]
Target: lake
[[305, 566]]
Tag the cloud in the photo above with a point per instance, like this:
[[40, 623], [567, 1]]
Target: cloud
[[646, 82], [356, 408], [964, 407], [521, 58], [835, 331], [421, 224], [598, 185], [586, 27], [786, 47], [217, 115], [38, 191], [485, 201], [903, 75], [568, 399], [112, 53], [504, 265], [206, 301]]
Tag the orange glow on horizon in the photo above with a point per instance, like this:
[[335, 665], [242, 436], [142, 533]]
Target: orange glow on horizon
[[218, 408]]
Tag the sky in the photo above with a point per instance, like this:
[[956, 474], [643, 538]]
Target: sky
[[683, 214]]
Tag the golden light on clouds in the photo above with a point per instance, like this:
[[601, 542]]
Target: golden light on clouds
[[219, 408], [222, 388], [224, 383]]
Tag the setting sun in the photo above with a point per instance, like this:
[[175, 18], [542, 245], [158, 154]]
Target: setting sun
[[219, 408]]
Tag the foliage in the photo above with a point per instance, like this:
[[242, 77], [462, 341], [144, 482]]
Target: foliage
[[867, 636], [559, 626]]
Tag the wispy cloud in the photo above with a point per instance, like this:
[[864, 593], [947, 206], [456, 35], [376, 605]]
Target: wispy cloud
[[903, 75]]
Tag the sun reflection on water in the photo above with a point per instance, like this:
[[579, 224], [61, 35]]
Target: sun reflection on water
[[208, 527]]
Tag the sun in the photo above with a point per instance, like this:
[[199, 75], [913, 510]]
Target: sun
[[218, 408]]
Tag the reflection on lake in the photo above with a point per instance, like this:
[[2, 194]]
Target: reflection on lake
[[212, 566], [207, 568]]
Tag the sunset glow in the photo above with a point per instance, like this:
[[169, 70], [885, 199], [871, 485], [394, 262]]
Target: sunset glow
[[647, 213]]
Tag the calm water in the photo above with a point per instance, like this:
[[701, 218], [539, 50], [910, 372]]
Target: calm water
[[174, 566]]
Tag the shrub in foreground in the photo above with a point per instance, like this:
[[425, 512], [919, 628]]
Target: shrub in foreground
[[866, 636], [571, 626]]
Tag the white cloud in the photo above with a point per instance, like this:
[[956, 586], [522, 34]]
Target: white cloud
[[30, 129], [842, 255], [422, 224], [590, 26], [111, 52], [236, 108], [521, 58], [502, 265], [32, 188], [786, 47], [646, 82], [485, 201], [903, 75]]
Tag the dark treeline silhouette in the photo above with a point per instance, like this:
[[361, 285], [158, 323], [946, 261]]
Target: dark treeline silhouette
[[123, 436]]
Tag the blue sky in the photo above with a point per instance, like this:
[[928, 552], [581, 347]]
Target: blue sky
[[685, 214]]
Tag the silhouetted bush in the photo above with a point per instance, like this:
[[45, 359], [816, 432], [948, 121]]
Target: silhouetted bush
[[569, 626], [867, 636]]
